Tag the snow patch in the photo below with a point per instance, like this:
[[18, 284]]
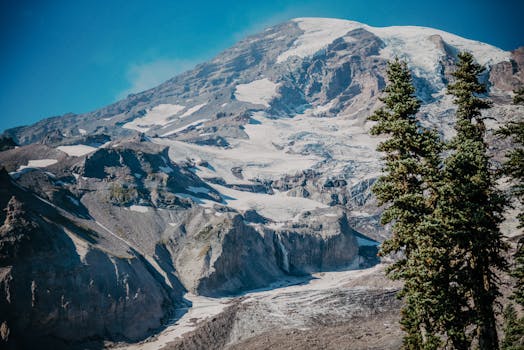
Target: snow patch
[[195, 123], [81, 246], [259, 92], [158, 115], [77, 150], [364, 242], [277, 147], [82, 131], [422, 51], [192, 110], [165, 169], [38, 163], [73, 200], [278, 207], [285, 254], [139, 208], [198, 189], [415, 44]]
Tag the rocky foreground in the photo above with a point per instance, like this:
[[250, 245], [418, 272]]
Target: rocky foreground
[[354, 309]]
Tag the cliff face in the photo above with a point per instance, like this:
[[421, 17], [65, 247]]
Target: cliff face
[[55, 284], [509, 75], [231, 254]]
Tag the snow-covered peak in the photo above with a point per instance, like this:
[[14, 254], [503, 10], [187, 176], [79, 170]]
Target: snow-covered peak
[[415, 44], [421, 48], [318, 33]]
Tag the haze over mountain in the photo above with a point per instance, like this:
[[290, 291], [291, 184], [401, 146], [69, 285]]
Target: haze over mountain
[[251, 170]]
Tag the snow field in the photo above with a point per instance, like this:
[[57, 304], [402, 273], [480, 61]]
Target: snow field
[[259, 92], [158, 115], [77, 150], [38, 163]]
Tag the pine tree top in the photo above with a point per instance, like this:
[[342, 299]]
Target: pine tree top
[[467, 90]]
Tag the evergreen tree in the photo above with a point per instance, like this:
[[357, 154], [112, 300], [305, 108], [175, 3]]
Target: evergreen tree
[[470, 206], [514, 167], [513, 330], [411, 156]]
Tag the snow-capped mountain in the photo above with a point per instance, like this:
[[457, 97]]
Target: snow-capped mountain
[[289, 101], [251, 168]]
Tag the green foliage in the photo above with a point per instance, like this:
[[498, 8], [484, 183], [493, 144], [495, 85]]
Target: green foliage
[[408, 188], [470, 207], [518, 273], [445, 212], [513, 330], [514, 167]]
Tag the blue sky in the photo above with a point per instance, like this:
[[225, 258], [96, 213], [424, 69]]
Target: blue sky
[[76, 56]]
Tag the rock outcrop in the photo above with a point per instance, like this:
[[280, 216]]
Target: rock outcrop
[[69, 290]]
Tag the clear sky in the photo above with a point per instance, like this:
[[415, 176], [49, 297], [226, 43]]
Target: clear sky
[[78, 55]]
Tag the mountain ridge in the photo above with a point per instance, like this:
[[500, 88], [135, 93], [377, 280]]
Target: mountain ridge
[[293, 34]]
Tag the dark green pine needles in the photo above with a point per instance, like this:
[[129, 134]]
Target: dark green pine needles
[[514, 168], [408, 186], [445, 213], [471, 206]]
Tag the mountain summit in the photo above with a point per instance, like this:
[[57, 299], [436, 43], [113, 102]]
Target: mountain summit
[[304, 63]]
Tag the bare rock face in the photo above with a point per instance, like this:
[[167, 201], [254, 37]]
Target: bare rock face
[[509, 75], [68, 290], [140, 173], [226, 254], [15, 231], [11, 159], [6, 143], [327, 238]]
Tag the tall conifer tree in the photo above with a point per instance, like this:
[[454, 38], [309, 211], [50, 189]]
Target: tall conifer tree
[[514, 167], [471, 206], [411, 157]]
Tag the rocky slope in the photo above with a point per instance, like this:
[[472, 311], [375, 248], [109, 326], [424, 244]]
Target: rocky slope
[[129, 231], [330, 310], [58, 279], [250, 169]]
